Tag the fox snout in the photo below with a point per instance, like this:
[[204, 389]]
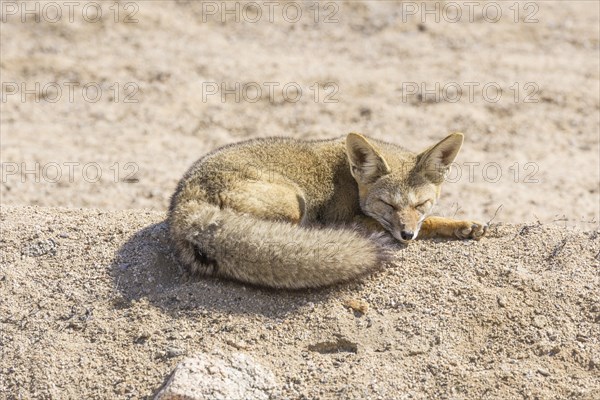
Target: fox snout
[[407, 235], [404, 234], [407, 225]]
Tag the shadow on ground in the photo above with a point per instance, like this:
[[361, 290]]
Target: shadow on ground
[[146, 267]]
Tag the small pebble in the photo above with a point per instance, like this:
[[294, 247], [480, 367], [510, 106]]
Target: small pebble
[[543, 371], [175, 352], [539, 321], [501, 301]]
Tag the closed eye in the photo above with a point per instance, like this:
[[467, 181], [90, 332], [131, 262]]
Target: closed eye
[[423, 206], [388, 204]]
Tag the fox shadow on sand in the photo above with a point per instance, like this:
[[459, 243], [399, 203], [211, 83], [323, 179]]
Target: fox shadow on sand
[[146, 267]]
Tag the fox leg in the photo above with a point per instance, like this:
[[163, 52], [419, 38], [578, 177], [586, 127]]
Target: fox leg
[[266, 200], [451, 228]]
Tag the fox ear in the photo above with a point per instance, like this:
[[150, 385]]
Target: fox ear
[[366, 164], [436, 160]]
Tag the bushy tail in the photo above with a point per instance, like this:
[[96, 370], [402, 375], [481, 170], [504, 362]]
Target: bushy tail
[[275, 254]]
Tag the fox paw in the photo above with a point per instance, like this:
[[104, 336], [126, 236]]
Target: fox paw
[[470, 230]]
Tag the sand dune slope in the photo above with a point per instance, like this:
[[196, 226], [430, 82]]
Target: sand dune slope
[[93, 305]]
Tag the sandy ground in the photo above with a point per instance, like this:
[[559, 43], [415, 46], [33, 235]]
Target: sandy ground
[[92, 304], [534, 151]]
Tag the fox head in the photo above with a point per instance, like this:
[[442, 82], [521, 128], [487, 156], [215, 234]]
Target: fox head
[[399, 190]]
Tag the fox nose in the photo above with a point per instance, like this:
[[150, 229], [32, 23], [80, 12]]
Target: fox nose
[[406, 235]]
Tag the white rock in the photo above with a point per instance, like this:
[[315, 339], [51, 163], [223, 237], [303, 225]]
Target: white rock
[[219, 376]]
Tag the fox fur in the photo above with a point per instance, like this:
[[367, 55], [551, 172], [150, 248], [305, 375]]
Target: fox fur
[[287, 213]]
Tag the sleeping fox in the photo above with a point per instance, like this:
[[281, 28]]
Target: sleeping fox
[[294, 214]]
